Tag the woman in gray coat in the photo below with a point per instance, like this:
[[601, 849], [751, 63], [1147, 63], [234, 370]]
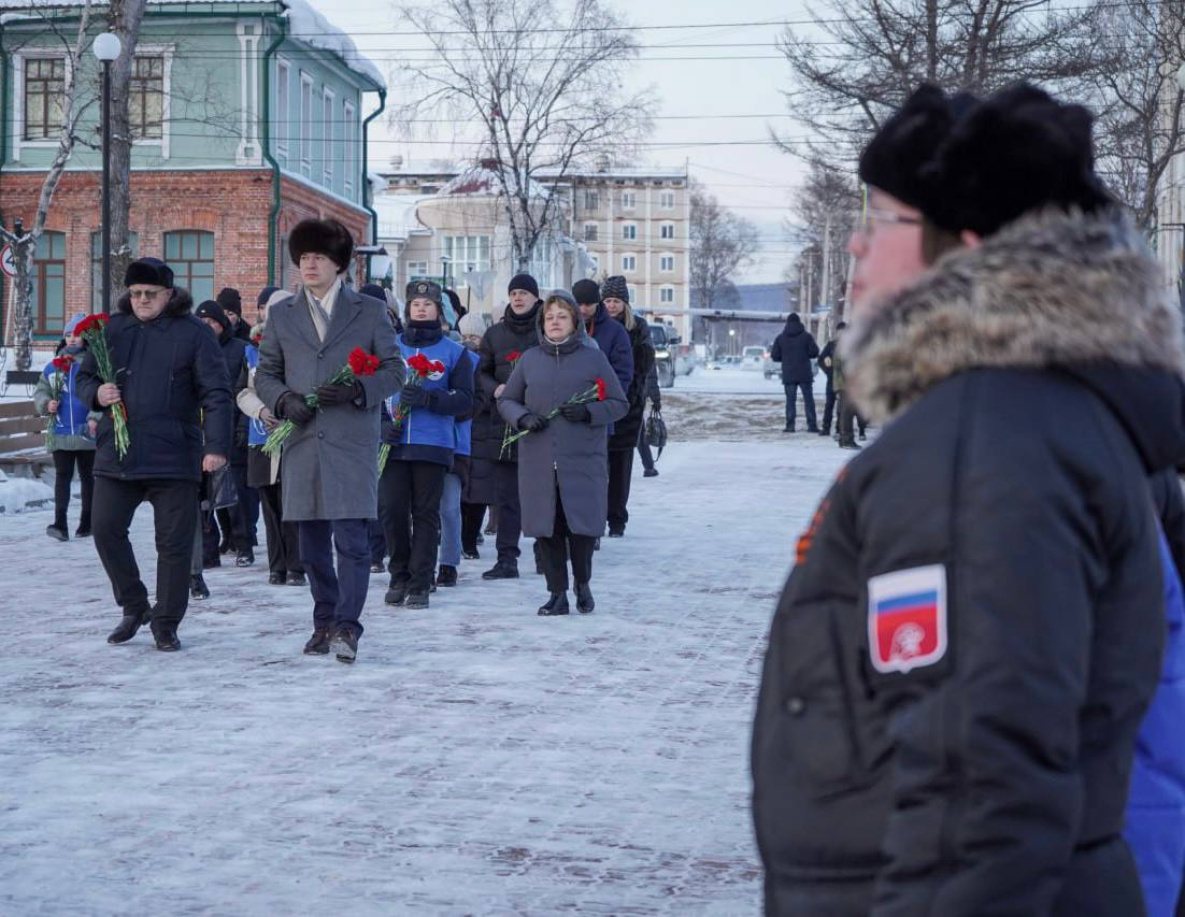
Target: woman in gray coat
[[563, 464]]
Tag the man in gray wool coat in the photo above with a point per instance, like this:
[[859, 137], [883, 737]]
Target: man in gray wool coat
[[330, 462]]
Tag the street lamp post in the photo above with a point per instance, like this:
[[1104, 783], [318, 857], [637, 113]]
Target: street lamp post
[[107, 48], [444, 262]]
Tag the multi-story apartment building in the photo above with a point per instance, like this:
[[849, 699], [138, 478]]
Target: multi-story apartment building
[[614, 221], [249, 116]]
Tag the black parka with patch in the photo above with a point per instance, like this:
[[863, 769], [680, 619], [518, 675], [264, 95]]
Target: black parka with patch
[[993, 778]]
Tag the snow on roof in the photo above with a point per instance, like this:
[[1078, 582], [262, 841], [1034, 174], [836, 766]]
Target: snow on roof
[[397, 215], [480, 180], [312, 28], [305, 24]]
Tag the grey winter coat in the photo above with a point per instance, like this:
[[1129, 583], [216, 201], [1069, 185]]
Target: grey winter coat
[[331, 463], [572, 456]]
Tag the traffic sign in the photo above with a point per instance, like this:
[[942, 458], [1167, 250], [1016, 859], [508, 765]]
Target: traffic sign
[[7, 261]]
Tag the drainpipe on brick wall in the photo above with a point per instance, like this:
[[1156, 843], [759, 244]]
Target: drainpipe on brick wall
[[366, 192], [3, 158], [274, 215]]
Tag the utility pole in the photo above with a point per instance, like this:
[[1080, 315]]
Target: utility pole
[[826, 300]]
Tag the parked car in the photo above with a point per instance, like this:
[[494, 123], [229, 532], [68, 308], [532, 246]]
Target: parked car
[[752, 359], [671, 355]]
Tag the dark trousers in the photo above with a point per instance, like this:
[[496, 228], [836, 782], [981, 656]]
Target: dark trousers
[[644, 449], [557, 548], [378, 541], [283, 538], [510, 514], [63, 465], [338, 595], [621, 471], [847, 418], [808, 398], [175, 504], [409, 505], [472, 515], [829, 407]]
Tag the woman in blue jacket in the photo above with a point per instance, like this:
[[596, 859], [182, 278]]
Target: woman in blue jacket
[[73, 440], [423, 439]]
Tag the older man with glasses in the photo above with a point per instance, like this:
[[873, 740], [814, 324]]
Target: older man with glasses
[[168, 371]]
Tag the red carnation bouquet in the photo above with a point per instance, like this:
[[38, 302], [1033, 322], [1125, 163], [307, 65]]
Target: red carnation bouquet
[[360, 363], [513, 357], [422, 367], [57, 385], [91, 329], [595, 393]]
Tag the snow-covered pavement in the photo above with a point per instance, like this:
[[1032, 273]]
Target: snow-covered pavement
[[477, 759]]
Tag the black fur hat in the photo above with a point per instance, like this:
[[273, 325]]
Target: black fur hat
[[1019, 150], [896, 159], [151, 271], [322, 237]]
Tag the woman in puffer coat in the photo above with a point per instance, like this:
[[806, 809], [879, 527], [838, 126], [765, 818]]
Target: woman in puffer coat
[[624, 438], [562, 466], [73, 439]]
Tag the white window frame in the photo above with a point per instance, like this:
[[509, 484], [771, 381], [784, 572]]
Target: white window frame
[[629, 200], [283, 123], [328, 149], [629, 232], [666, 200], [411, 272], [305, 137], [595, 195], [666, 232], [350, 114], [463, 251], [666, 264], [18, 88], [165, 51], [666, 294], [629, 263]]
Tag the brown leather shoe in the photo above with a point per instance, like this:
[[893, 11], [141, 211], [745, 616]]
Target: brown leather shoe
[[318, 644]]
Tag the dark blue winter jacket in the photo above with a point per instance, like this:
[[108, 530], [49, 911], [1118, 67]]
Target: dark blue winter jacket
[[1155, 828], [70, 428], [465, 427], [173, 381], [429, 433], [256, 431], [614, 342]]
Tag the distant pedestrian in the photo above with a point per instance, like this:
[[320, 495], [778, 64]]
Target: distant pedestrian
[[563, 467], [331, 461], [74, 428], [795, 348], [180, 421], [231, 302]]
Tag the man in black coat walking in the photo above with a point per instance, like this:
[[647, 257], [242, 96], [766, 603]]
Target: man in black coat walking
[[170, 373], [964, 652], [794, 348], [501, 348]]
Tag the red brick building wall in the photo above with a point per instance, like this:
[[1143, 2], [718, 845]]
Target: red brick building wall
[[234, 205]]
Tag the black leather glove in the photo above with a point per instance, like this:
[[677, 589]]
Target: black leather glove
[[532, 423], [576, 413], [292, 407], [413, 396], [340, 393]]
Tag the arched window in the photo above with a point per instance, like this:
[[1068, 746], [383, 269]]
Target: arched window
[[190, 253]]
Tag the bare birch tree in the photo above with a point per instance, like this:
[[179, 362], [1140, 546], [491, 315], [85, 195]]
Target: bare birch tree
[[722, 244], [542, 82], [23, 240]]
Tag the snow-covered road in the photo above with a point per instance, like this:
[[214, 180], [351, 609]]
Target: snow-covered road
[[476, 760]]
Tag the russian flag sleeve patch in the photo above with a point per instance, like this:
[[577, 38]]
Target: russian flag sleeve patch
[[907, 618]]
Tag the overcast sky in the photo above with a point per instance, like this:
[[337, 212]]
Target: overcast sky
[[747, 79]]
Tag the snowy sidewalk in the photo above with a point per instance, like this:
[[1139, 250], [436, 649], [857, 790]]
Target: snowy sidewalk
[[477, 759]]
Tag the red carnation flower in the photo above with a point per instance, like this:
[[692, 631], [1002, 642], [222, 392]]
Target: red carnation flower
[[363, 363], [91, 324], [514, 356], [600, 389], [422, 365], [63, 364]]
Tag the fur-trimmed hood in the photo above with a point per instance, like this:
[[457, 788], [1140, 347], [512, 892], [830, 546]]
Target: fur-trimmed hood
[[1049, 291], [180, 303]]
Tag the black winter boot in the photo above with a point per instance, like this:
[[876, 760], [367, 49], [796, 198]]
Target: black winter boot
[[127, 628], [297, 579], [166, 637], [198, 589], [556, 605], [447, 576], [344, 644], [502, 570], [396, 594], [318, 644], [276, 579], [245, 558], [57, 532], [417, 598], [584, 598]]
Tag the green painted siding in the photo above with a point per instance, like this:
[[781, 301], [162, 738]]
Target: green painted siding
[[204, 122]]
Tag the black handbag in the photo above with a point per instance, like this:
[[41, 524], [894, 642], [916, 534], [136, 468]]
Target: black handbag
[[656, 432], [221, 490]]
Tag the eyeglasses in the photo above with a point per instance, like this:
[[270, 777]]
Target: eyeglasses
[[145, 294], [865, 221]]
